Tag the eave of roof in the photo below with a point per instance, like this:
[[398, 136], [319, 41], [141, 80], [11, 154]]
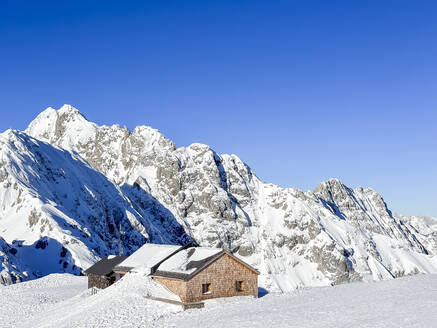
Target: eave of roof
[[120, 269]]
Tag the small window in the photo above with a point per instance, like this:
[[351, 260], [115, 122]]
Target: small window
[[239, 286], [206, 288]]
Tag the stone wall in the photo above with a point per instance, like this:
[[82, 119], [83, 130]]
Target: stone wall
[[100, 282], [222, 275]]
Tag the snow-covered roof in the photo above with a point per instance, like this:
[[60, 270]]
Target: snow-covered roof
[[105, 266], [188, 261], [148, 256], [179, 262]]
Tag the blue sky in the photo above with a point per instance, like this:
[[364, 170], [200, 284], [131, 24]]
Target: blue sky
[[301, 90]]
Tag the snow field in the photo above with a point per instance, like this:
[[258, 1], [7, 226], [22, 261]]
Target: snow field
[[62, 300]]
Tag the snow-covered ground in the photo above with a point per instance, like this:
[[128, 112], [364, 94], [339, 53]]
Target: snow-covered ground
[[62, 300]]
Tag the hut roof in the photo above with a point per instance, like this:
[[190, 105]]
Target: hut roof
[[173, 261], [148, 256], [189, 262], [105, 266]]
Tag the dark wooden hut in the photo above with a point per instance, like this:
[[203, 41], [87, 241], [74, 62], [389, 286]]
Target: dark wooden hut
[[101, 274]]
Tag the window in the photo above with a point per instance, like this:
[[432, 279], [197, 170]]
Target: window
[[239, 286], [206, 288]]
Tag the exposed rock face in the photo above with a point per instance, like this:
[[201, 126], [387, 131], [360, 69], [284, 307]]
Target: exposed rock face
[[55, 201], [161, 193], [10, 271], [424, 228]]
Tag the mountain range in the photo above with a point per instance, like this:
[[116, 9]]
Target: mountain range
[[72, 192]]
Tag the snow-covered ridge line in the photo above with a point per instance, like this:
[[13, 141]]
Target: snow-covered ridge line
[[163, 194]]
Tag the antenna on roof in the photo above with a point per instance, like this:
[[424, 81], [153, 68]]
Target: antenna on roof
[[120, 248]]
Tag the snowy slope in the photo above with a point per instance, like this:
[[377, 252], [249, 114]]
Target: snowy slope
[[63, 301], [407, 302], [19, 302], [165, 194]]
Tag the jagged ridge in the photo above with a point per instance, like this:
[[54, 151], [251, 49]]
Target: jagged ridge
[[332, 235]]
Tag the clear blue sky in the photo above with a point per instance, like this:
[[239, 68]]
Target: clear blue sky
[[301, 90]]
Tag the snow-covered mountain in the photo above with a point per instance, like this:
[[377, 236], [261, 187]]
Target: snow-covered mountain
[[57, 214], [80, 182]]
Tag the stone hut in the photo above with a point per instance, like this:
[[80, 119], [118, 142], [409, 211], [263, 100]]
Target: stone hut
[[101, 274], [194, 273]]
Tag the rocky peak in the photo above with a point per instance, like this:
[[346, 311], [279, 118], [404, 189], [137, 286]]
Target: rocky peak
[[152, 138], [357, 204], [68, 123], [50, 115], [112, 150], [332, 191], [65, 126], [332, 183], [69, 110]]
